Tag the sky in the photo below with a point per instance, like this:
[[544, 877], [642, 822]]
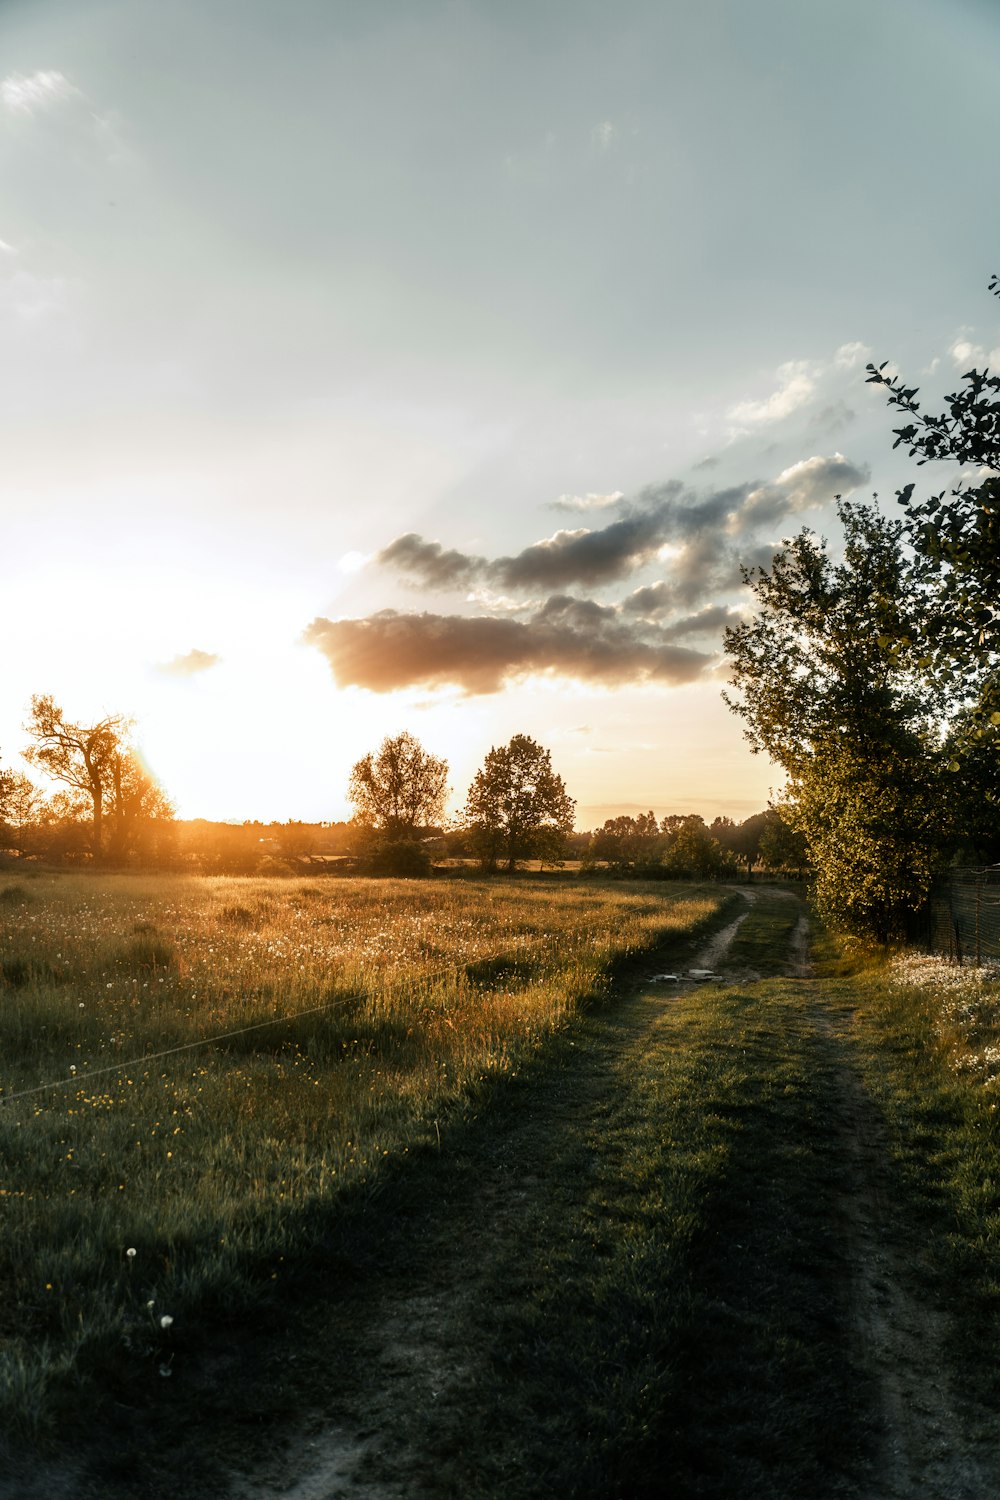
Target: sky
[[374, 365]]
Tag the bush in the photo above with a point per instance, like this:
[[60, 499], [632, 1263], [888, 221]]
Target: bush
[[401, 857]]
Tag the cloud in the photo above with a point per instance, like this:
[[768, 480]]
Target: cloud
[[190, 665], [585, 556], [430, 564], [833, 418], [604, 135], [812, 482], [797, 387], [587, 502], [582, 556], [967, 355], [700, 537], [566, 638], [850, 356], [40, 91]]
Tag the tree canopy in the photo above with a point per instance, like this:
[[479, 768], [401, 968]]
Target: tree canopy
[[518, 807], [95, 761], [401, 788], [955, 537]]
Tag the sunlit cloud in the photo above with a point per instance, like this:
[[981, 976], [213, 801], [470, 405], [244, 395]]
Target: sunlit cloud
[[852, 356], [811, 482], [796, 388], [587, 502], [39, 91], [191, 664], [566, 638], [966, 354]]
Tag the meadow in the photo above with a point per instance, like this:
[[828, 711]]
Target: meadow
[[194, 1071]]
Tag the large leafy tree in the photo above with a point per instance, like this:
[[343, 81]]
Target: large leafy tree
[[823, 690], [955, 537], [78, 756], [96, 763], [400, 788], [814, 660], [626, 844], [518, 807]]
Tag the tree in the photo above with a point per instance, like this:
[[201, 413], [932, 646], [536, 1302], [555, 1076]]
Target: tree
[[781, 846], [517, 807], [138, 811], [96, 762], [742, 839], [815, 660], [400, 789], [826, 694], [80, 756], [955, 536], [875, 830], [693, 853], [626, 844], [20, 805]]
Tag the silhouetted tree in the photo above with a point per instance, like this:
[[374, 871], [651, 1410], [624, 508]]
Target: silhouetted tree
[[397, 792], [626, 844], [80, 756], [518, 807]]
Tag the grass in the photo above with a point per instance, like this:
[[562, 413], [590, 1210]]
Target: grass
[[926, 1039], [356, 1020], [631, 1214]]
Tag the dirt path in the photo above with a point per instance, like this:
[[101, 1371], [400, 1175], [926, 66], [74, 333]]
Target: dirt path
[[422, 1341]]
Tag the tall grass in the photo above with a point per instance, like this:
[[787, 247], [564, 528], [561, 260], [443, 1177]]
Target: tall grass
[[348, 1020]]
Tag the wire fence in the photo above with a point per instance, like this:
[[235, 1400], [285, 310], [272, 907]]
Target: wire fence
[[961, 920]]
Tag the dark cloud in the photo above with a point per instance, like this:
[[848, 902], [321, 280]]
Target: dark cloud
[[584, 556], [703, 539], [565, 638], [587, 557], [802, 486], [188, 666], [712, 620], [706, 463], [430, 564]]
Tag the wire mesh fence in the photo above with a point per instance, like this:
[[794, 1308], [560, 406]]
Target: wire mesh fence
[[962, 918]]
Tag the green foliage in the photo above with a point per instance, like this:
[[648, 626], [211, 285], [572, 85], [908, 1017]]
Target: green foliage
[[955, 536], [826, 695], [692, 853], [625, 844], [875, 830], [401, 857]]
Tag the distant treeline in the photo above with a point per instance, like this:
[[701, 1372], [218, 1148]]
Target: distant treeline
[[109, 812]]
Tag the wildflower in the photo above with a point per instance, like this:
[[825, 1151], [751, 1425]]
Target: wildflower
[[130, 1253], [166, 1321], [151, 1304]]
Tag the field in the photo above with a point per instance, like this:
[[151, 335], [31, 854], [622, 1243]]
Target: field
[[195, 1071], [434, 1189]]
